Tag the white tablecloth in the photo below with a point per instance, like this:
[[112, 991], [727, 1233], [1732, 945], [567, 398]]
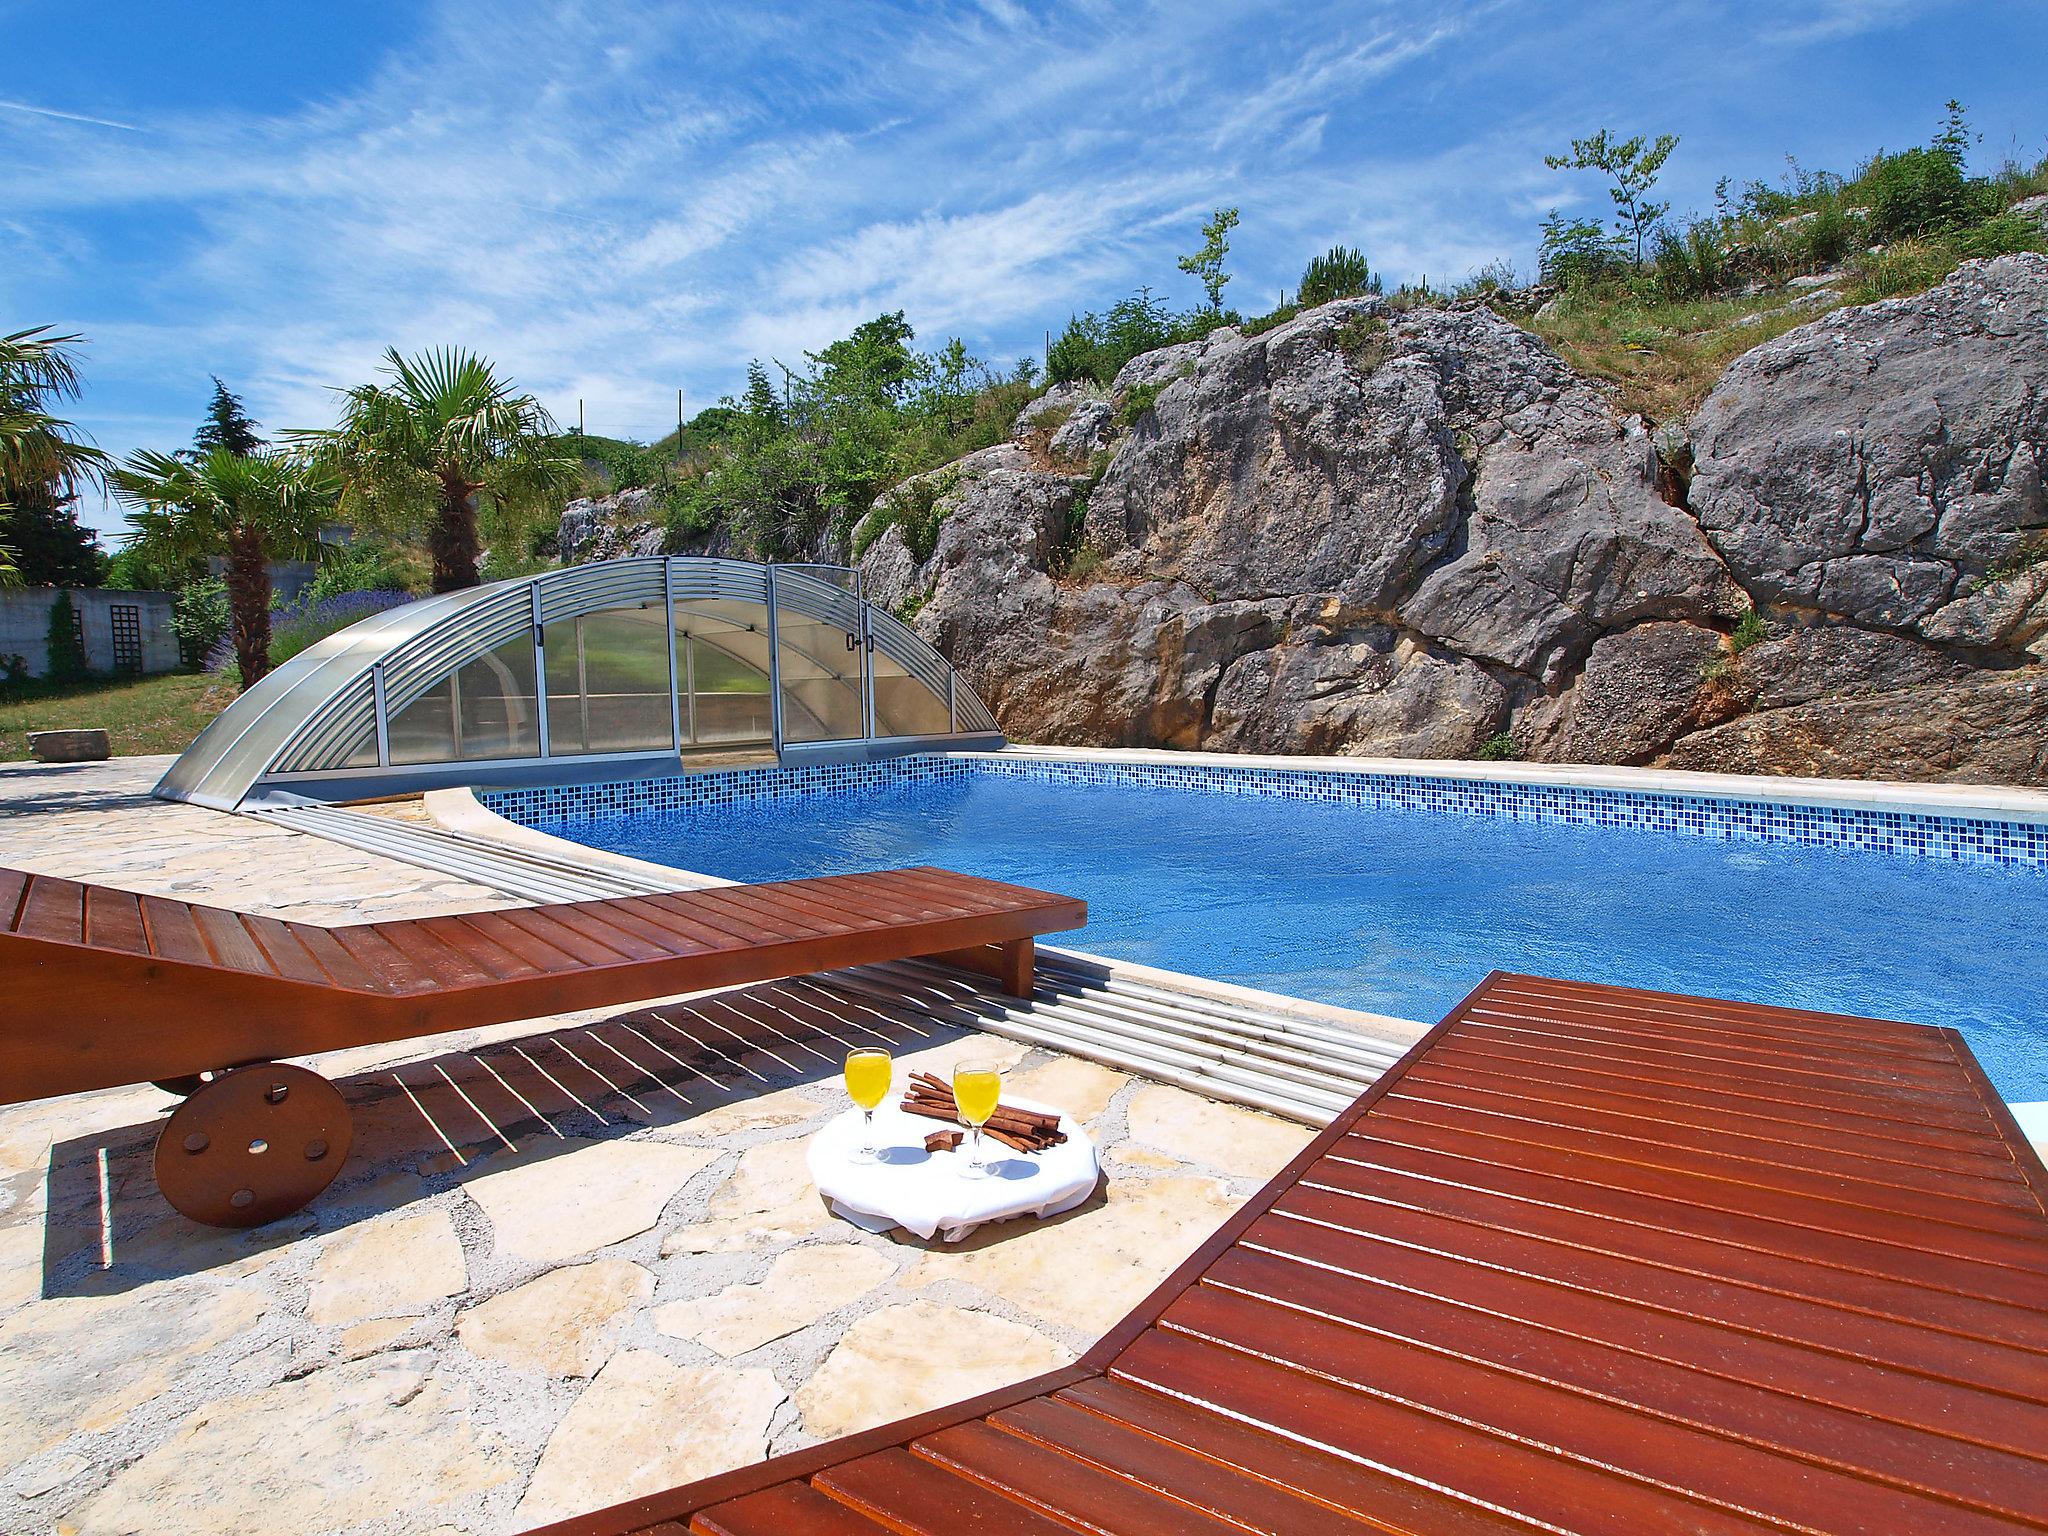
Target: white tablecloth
[[926, 1191]]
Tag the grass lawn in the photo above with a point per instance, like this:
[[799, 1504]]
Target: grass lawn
[[141, 714]]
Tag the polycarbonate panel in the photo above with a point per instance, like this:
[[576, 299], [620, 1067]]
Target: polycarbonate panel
[[722, 669], [608, 681], [457, 685], [904, 705], [483, 709], [822, 679]]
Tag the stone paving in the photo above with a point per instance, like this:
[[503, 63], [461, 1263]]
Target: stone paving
[[559, 1269]]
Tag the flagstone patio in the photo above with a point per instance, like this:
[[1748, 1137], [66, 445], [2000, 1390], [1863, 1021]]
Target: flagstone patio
[[558, 1271]]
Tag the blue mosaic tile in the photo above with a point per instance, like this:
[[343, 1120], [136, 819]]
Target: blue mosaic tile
[[1960, 839]]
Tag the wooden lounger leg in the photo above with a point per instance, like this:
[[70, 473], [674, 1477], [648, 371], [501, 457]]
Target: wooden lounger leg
[[252, 1145], [1012, 963], [1019, 967]]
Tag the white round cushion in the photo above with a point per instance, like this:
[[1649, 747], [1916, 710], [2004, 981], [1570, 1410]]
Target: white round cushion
[[927, 1193]]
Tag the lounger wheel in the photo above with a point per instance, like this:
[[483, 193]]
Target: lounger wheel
[[252, 1144]]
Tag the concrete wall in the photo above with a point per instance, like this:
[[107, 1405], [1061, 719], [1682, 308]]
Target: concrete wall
[[25, 626]]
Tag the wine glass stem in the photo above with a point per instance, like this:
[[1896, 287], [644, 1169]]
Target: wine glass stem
[[868, 1146], [977, 1148]]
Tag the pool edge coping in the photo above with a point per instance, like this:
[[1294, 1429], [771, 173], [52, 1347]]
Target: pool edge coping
[[1987, 802]]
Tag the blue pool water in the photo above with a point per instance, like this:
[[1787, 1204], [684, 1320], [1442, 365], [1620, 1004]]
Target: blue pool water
[[1402, 912]]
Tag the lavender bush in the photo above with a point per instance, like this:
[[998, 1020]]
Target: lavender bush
[[298, 625]]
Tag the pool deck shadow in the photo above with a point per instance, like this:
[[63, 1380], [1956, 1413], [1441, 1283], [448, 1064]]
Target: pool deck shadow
[[428, 1123]]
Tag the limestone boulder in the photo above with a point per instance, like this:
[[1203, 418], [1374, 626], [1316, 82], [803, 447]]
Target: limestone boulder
[[1640, 690], [1991, 728], [1873, 465]]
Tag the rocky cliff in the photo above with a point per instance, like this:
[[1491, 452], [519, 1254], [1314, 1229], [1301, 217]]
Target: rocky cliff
[[1416, 533]]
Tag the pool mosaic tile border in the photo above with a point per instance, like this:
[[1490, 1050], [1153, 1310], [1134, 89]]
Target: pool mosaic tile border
[[1953, 838]]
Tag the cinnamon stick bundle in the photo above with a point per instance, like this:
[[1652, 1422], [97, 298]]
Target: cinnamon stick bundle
[[1024, 1130]]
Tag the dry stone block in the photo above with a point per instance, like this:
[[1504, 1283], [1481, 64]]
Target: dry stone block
[[801, 1286], [1211, 1135], [562, 1199], [325, 1452], [769, 1200], [558, 1324], [86, 746], [84, 1362], [394, 1266], [903, 1360], [643, 1425]]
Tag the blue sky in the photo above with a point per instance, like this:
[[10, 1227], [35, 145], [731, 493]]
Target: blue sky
[[619, 200]]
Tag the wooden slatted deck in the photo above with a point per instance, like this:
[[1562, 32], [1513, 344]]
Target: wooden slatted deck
[[1586, 1260], [106, 987]]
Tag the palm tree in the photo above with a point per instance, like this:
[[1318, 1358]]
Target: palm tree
[[443, 439], [253, 508], [42, 461]]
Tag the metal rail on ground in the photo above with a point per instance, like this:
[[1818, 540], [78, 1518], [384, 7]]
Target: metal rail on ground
[[1223, 1047]]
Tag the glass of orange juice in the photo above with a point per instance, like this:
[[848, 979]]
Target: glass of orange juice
[[867, 1083], [977, 1085]]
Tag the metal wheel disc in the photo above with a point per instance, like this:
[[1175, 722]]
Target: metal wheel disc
[[252, 1145]]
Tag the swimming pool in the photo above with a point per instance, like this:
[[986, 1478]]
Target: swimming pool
[[1401, 910]]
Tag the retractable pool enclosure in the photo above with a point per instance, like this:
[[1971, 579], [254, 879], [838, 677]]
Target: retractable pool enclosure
[[618, 669]]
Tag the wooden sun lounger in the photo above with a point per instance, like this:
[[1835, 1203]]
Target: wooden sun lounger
[[104, 987], [1586, 1259]]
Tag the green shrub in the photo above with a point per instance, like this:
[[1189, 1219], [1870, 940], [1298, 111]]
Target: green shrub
[[1501, 747], [1339, 273], [1921, 192], [1749, 630], [200, 619], [1258, 325], [1097, 346], [916, 509], [362, 567], [1577, 253], [1365, 342], [1138, 400], [2000, 235], [63, 652], [1901, 268]]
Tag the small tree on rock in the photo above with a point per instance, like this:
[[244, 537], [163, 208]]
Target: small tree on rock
[[1206, 265], [1632, 166], [1339, 273]]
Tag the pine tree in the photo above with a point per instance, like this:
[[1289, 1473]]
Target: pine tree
[[50, 547], [226, 425]]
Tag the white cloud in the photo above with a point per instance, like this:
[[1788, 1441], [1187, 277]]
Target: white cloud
[[616, 201]]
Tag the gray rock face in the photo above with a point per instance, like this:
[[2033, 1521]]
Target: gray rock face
[[610, 527], [1876, 465], [1992, 728], [1369, 532], [1641, 690]]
